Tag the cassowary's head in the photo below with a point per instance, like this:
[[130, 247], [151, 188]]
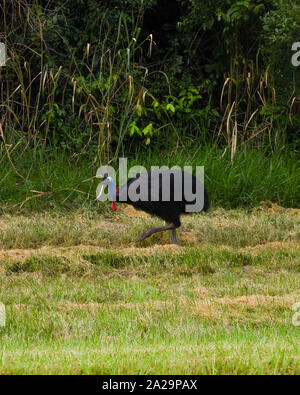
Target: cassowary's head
[[105, 179], [108, 181]]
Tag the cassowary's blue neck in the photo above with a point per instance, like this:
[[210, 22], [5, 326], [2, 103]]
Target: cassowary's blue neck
[[111, 188]]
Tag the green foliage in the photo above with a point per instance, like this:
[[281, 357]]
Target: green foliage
[[146, 132], [106, 76], [281, 28], [281, 25]]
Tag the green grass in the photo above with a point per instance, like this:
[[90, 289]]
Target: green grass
[[82, 297], [66, 182]]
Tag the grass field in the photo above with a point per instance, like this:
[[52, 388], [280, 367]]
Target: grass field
[[82, 297]]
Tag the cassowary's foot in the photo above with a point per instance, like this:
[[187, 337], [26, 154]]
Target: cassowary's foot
[[150, 232]]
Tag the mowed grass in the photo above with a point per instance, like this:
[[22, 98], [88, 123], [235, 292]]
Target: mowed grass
[[83, 298]]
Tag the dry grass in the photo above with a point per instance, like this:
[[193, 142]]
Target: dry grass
[[82, 297]]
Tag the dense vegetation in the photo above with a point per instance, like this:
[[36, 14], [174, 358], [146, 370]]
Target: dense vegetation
[[93, 81]]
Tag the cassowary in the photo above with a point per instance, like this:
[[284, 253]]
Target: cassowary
[[165, 193]]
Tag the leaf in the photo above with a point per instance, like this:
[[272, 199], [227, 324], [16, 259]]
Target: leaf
[[139, 110], [133, 128], [148, 129], [170, 107]]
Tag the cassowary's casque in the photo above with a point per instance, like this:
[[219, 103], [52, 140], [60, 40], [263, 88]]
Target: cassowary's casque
[[165, 193]]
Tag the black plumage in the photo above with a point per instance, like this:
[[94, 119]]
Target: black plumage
[[171, 210]]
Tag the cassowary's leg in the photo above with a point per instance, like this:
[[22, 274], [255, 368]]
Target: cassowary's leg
[[174, 237], [150, 232]]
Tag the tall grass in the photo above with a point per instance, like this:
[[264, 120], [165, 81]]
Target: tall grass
[[87, 101], [252, 114], [63, 182]]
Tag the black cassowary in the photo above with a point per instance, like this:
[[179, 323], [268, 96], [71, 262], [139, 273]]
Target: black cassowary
[[164, 193]]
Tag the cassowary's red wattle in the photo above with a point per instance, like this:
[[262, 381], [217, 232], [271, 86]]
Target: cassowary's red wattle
[[113, 204]]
